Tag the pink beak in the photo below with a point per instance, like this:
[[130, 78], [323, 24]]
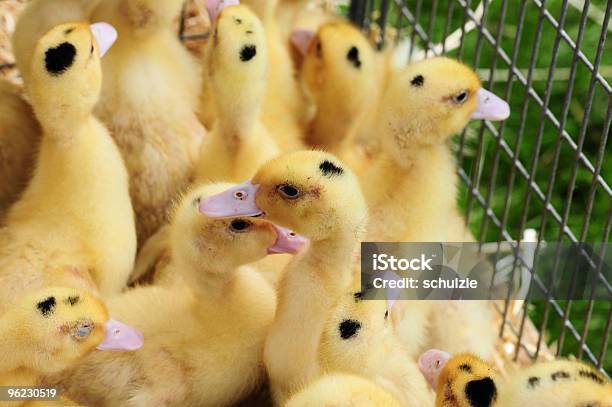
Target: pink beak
[[105, 35], [490, 107], [215, 7], [301, 40], [120, 337], [287, 241], [431, 364], [236, 201]]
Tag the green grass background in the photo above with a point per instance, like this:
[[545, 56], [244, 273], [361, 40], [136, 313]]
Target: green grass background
[[566, 162]]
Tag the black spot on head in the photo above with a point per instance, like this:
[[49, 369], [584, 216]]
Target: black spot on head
[[69, 30], [481, 393], [72, 300], [533, 381], [248, 52], [417, 81], [46, 306], [589, 374], [348, 328], [560, 375], [353, 57], [249, 31], [358, 296], [330, 169], [238, 21], [465, 367], [60, 58]]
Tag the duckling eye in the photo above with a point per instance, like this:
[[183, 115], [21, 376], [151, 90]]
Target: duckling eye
[[288, 191], [240, 225], [82, 330], [461, 97], [319, 50]]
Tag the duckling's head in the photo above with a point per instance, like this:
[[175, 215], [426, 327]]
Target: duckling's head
[[338, 61], [430, 100], [60, 325], [311, 192], [238, 62], [228, 243], [65, 75], [355, 334], [463, 380]]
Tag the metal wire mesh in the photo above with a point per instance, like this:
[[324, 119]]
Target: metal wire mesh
[[544, 169]]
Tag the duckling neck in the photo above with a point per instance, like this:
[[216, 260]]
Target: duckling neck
[[331, 258], [329, 123]]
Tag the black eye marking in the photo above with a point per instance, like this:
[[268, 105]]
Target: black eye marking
[[465, 367], [248, 52], [319, 49], [417, 81], [348, 328], [69, 30], [240, 225], [481, 393], [237, 21], [588, 374], [288, 191], [46, 306], [560, 375], [60, 58], [533, 381], [353, 57], [72, 300], [330, 169]]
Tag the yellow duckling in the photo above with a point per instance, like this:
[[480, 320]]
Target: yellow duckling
[[411, 184], [422, 107], [148, 102], [342, 390], [237, 65], [283, 110], [19, 138], [74, 224], [37, 18], [206, 324], [360, 338], [340, 76], [49, 330], [467, 381], [314, 194]]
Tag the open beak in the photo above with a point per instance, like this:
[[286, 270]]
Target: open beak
[[120, 337], [431, 364], [236, 201], [287, 241], [105, 34], [490, 107]]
